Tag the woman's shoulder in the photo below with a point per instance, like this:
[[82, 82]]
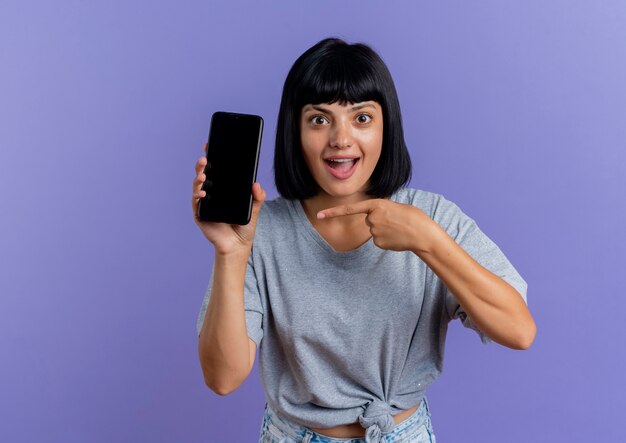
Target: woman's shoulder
[[434, 204], [425, 200], [278, 226], [276, 207], [275, 213]]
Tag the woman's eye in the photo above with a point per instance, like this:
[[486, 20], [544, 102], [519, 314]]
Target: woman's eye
[[364, 118], [318, 119]]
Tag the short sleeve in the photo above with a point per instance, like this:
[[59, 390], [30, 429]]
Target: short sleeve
[[481, 248], [252, 304]]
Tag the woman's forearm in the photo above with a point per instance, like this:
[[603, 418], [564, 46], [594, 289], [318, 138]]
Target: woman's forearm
[[223, 344], [494, 306]]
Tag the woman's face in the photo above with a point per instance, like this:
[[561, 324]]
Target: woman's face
[[341, 145]]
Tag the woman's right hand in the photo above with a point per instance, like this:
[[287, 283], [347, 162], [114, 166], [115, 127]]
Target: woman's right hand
[[226, 238]]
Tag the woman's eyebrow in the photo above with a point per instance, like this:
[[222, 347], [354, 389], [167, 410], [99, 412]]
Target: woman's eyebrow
[[366, 105], [328, 111]]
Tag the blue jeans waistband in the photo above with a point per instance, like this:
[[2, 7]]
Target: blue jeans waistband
[[278, 429]]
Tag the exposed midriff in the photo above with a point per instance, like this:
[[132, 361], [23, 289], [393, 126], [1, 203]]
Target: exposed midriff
[[355, 430]]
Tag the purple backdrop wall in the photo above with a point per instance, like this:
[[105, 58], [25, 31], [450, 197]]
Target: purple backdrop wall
[[514, 110]]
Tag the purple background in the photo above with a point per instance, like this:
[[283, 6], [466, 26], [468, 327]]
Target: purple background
[[515, 110]]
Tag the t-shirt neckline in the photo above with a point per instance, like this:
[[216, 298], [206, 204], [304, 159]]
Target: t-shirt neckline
[[317, 238], [361, 251]]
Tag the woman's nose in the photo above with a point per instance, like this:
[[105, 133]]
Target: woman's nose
[[341, 136]]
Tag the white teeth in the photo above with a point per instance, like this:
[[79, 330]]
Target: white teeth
[[343, 160]]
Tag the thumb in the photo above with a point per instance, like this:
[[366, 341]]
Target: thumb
[[259, 195]]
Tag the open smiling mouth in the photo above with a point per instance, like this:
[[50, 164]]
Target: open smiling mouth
[[342, 168]]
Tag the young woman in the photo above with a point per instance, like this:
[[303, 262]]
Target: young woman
[[347, 282]]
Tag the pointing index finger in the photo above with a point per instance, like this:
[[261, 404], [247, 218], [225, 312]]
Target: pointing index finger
[[362, 207]]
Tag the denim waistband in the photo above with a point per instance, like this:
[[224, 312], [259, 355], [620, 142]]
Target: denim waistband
[[299, 433]]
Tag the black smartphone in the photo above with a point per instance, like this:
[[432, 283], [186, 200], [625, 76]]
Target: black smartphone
[[232, 161]]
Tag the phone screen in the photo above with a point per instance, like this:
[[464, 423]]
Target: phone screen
[[232, 159]]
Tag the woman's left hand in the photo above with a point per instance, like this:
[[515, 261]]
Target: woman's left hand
[[394, 226]]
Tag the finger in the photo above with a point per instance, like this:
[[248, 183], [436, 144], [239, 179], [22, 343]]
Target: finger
[[200, 165], [199, 194], [195, 200], [259, 195], [362, 207], [198, 182], [205, 148], [368, 222], [258, 192]]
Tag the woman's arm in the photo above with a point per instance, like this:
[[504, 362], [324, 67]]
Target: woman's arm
[[494, 306], [226, 352]]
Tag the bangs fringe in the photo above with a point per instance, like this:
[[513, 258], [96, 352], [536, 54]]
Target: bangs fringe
[[341, 80]]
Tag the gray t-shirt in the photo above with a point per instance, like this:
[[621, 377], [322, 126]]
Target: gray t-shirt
[[358, 335]]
